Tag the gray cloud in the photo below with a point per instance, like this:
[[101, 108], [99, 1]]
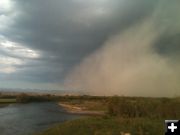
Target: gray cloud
[[67, 31]]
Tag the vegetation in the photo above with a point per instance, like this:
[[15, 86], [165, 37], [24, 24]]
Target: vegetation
[[138, 116], [144, 107], [7, 100], [25, 98], [108, 126], [135, 115]]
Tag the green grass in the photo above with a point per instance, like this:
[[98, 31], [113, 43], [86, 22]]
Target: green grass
[[138, 116], [108, 126], [7, 100]]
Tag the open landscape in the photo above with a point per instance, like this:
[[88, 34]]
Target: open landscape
[[105, 115], [89, 67], [122, 115]]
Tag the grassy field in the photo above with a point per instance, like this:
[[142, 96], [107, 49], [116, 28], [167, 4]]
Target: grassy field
[[137, 116], [108, 126], [7, 100]]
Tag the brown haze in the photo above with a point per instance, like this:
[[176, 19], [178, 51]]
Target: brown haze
[[128, 64]]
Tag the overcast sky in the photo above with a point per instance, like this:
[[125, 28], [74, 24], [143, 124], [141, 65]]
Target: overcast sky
[[42, 41]]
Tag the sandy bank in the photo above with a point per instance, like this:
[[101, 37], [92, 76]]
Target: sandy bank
[[79, 110]]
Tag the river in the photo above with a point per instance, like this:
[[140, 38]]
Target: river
[[26, 119]]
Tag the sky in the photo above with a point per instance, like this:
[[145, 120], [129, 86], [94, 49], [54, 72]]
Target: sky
[[102, 47]]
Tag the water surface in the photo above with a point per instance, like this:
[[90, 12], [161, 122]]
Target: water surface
[[26, 119]]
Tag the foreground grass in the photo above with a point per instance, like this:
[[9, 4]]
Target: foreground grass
[[108, 126]]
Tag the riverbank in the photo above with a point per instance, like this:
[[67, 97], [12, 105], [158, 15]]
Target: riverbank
[[74, 109], [85, 106], [6, 101], [3, 105]]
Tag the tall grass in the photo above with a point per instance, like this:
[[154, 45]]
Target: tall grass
[[144, 107]]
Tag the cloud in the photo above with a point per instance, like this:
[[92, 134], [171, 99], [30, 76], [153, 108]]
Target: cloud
[[13, 55], [51, 38], [18, 50], [129, 63], [6, 6], [63, 32]]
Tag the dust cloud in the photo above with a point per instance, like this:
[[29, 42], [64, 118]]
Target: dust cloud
[[128, 64]]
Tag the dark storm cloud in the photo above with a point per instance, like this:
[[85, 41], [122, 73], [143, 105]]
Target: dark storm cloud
[[52, 26], [66, 31], [168, 45]]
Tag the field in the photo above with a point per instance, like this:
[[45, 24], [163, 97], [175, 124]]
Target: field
[[136, 116], [131, 115], [7, 100], [108, 126]]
